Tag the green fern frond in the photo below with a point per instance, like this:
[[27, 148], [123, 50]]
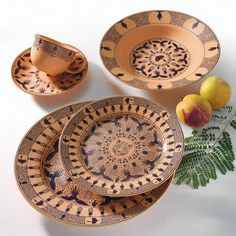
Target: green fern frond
[[227, 108], [200, 138], [233, 124], [210, 129], [198, 146], [208, 151], [218, 117]]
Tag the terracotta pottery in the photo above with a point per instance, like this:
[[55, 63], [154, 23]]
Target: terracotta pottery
[[46, 186], [31, 80], [53, 57], [121, 146], [159, 50]]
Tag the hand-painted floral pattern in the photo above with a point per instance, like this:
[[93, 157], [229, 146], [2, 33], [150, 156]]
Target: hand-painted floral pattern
[[119, 148], [160, 59], [60, 183]]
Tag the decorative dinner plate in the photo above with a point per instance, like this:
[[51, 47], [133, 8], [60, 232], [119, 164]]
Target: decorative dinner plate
[[121, 146], [159, 49], [46, 186], [29, 79]]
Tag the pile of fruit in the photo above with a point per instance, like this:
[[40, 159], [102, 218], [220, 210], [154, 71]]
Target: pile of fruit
[[196, 110]]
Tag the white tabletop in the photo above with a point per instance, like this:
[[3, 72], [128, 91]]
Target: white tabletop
[[182, 210]]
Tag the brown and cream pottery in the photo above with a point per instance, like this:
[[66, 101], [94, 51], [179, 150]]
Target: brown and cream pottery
[[103, 162], [31, 80], [159, 50], [121, 146], [53, 57], [50, 190]]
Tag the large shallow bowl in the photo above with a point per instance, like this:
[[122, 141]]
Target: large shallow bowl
[[159, 50]]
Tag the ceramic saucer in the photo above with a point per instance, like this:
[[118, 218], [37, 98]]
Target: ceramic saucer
[[159, 50], [29, 79], [46, 186], [121, 146]]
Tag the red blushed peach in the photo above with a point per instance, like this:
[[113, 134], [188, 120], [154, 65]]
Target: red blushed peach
[[194, 111]]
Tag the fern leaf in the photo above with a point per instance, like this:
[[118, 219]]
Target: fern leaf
[[218, 163], [208, 151], [203, 180], [209, 129], [183, 178], [195, 180], [226, 109], [216, 117], [198, 146], [233, 124]]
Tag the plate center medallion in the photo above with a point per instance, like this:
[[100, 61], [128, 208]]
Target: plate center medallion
[[160, 58], [122, 147]]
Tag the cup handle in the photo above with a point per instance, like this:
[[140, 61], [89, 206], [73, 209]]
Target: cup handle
[[77, 65]]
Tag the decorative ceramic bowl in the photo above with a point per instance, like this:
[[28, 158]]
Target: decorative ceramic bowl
[[159, 50], [47, 187], [121, 146]]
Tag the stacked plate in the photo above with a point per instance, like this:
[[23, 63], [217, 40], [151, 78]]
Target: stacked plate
[[98, 163]]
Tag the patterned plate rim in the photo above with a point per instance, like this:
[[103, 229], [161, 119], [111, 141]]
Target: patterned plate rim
[[46, 94], [58, 220], [145, 87], [68, 166]]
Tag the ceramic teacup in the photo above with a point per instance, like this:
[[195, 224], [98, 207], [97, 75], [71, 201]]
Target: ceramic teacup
[[53, 57]]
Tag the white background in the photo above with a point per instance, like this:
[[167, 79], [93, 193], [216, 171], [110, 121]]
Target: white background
[[182, 211]]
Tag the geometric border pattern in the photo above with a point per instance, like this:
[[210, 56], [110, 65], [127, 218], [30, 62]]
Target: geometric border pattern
[[55, 50]]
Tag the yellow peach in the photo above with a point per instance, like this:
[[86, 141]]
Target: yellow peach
[[216, 91]]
